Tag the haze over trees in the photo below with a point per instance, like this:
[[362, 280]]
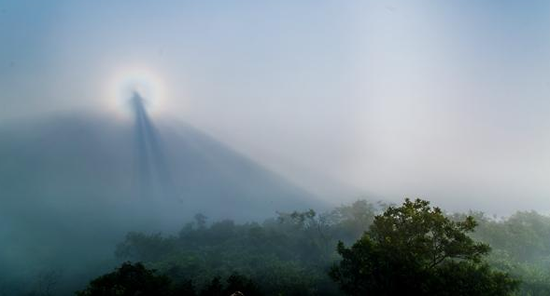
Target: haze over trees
[[392, 249], [413, 249], [219, 148], [353, 249]]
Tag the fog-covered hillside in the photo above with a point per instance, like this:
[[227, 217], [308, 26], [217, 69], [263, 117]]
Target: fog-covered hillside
[[75, 184]]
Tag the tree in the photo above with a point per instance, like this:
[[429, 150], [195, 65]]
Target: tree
[[310, 233], [129, 280], [214, 288], [237, 283], [350, 221], [200, 220], [415, 249], [185, 287], [143, 247]]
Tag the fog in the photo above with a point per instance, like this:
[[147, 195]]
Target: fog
[[309, 104], [445, 101]]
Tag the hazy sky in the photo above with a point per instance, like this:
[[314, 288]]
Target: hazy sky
[[445, 100]]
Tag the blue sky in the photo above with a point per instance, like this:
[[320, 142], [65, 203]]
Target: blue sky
[[446, 100]]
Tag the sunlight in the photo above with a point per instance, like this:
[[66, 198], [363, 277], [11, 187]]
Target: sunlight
[[128, 80]]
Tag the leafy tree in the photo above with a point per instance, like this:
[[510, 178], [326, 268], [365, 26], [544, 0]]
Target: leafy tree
[[310, 234], [350, 221], [200, 220], [524, 235], [214, 288], [129, 280], [144, 247], [235, 284], [286, 255], [185, 288], [416, 249], [136, 279], [467, 278], [240, 283]]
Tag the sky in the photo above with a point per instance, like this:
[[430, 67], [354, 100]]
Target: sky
[[442, 100]]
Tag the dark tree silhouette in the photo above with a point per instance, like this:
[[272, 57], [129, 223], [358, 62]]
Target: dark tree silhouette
[[129, 280]]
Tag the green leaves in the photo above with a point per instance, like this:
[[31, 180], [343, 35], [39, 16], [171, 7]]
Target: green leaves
[[412, 249], [415, 229]]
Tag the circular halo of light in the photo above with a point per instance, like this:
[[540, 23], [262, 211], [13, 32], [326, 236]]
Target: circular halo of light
[[141, 80]]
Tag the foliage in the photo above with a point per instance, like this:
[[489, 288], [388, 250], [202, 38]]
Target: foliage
[[467, 278], [128, 280], [521, 247], [288, 255], [416, 249], [291, 253], [134, 279]]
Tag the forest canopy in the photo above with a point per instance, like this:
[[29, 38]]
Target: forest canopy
[[413, 247]]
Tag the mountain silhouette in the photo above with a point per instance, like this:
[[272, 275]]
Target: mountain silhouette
[[77, 183]]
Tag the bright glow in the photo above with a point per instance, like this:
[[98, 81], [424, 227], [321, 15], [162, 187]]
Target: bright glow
[[136, 79]]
